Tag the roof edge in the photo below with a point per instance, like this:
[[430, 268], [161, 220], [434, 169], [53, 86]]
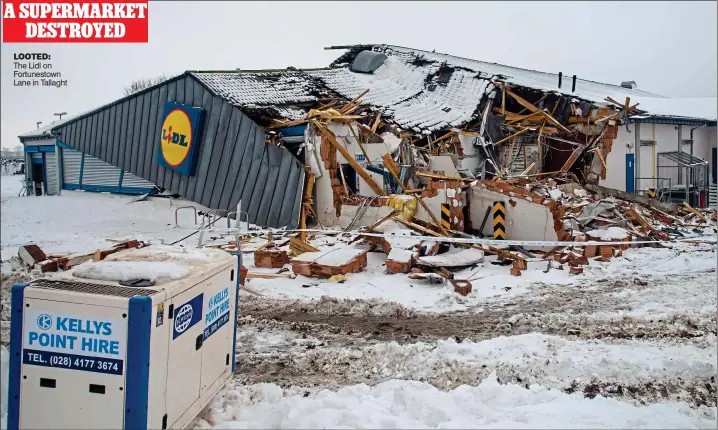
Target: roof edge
[[481, 61], [120, 100]]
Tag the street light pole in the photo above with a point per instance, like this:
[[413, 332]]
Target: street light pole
[[60, 114], [38, 124]]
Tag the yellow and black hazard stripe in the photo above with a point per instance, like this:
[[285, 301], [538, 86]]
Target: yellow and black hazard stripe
[[499, 221], [652, 193], [446, 215]]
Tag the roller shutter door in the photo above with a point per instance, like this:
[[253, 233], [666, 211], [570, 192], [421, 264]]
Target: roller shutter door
[[51, 173], [84, 172], [98, 174], [134, 184], [71, 161]]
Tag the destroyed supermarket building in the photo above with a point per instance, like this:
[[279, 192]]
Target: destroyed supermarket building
[[347, 144]]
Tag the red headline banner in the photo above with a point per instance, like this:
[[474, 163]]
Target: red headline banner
[[53, 21]]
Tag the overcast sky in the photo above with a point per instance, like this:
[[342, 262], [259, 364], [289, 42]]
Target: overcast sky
[[668, 48]]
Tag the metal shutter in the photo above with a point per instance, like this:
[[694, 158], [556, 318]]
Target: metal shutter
[[71, 161], [130, 180], [97, 172], [51, 173], [36, 155]]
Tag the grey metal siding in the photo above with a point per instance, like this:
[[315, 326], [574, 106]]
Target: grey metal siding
[[97, 172], [233, 161], [51, 172], [71, 160], [130, 180]]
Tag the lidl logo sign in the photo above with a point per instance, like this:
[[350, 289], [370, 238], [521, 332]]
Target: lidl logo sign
[[179, 138]]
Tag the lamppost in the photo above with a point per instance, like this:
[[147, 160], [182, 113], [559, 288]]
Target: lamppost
[[38, 124], [60, 114]]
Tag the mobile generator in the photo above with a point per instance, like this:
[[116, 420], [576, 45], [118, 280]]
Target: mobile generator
[[87, 353]]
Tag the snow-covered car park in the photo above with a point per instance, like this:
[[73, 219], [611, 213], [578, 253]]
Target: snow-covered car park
[[626, 344]]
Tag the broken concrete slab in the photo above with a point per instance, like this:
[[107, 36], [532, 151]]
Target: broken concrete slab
[[462, 258], [399, 260], [335, 261], [31, 254], [270, 257]]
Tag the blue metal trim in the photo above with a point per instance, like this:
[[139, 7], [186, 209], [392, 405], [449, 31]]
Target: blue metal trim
[[132, 191], [42, 148], [64, 145], [119, 183], [82, 167], [16, 309], [297, 130], [44, 175], [236, 310], [137, 382], [60, 158], [135, 190]]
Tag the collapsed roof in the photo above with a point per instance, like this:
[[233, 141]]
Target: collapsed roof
[[420, 90]]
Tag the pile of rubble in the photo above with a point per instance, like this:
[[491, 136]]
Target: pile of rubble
[[580, 218], [526, 168], [33, 257]]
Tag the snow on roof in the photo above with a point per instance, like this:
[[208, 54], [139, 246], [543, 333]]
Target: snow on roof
[[585, 89], [45, 131], [261, 89], [697, 107], [419, 90], [411, 95]]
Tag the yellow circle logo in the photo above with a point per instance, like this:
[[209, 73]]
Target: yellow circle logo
[[176, 137]]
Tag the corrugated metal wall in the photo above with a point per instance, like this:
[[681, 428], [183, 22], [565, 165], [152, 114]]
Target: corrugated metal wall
[[51, 173], [71, 161], [233, 161], [130, 180], [97, 172]]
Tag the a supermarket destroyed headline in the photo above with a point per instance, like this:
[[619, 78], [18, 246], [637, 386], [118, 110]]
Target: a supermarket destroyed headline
[[80, 22]]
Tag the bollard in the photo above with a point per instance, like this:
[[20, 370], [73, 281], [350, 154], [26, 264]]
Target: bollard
[[499, 220]]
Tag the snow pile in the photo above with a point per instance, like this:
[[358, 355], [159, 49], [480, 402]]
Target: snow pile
[[454, 258], [168, 253], [412, 404], [4, 372], [610, 233], [117, 271], [551, 361], [400, 255]]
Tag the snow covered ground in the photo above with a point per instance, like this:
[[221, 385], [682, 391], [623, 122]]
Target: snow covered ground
[[491, 282], [413, 404], [79, 221], [628, 344]]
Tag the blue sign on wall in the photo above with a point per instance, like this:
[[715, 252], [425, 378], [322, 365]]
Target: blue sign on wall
[[179, 137]]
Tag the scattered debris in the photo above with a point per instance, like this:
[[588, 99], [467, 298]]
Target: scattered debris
[[324, 264]]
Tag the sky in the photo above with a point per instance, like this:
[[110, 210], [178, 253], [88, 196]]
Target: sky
[[668, 48]]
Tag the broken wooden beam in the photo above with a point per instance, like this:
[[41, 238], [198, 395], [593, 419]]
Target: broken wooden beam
[[393, 169], [357, 167], [518, 133], [533, 108], [691, 209]]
